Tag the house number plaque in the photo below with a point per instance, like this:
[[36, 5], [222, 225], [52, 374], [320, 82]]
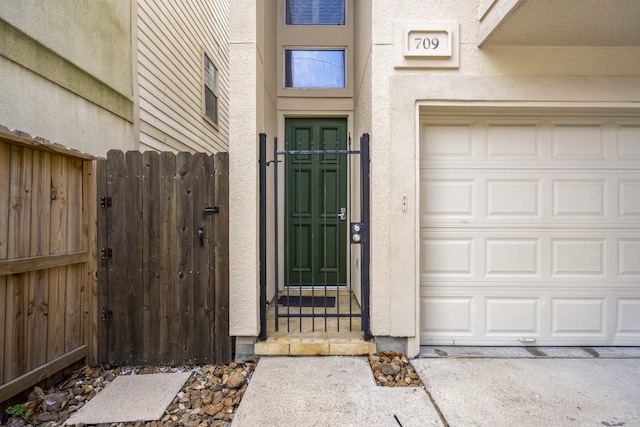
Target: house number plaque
[[426, 43]]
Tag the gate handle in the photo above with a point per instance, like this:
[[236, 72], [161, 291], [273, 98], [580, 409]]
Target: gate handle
[[343, 214], [201, 236]]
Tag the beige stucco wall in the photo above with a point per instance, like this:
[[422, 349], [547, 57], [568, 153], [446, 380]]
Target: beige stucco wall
[[493, 74], [60, 79], [252, 111], [386, 104]]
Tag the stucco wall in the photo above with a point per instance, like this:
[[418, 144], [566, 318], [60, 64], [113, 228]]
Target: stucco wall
[[252, 111], [34, 105], [60, 79], [493, 74], [386, 104]]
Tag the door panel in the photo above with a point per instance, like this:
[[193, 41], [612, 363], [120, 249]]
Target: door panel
[[525, 227], [316, 193]]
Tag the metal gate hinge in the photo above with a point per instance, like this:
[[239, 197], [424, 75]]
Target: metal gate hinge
[[105, 202], [107, 253], [107, 315]]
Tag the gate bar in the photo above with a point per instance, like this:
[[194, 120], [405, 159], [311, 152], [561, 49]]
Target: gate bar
[[262, 160], [366, 219]]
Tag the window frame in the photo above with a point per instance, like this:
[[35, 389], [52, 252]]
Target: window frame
[[310, 37], [214, 91], [288, 72], [287, 17]]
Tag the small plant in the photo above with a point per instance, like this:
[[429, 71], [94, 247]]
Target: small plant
[[18, 411]]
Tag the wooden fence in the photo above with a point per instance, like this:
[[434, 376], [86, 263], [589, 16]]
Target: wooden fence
[[163, 275], [47, 260], [121, 261]]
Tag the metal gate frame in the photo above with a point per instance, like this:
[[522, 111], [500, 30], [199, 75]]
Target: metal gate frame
[[358, 230]]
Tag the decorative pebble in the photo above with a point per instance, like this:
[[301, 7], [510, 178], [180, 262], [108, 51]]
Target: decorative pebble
[[209, 398], [392, 369]]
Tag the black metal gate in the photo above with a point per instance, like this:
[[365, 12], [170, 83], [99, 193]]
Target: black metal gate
[[316, 301]]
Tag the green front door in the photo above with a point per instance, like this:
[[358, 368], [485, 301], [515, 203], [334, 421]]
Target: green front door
[[316, 203]]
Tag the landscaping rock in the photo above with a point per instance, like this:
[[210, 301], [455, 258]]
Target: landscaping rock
[[209, 398], [392, 369]]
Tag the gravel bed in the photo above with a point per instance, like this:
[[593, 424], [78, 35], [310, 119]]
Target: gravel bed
[[209, 398], [392, 369]]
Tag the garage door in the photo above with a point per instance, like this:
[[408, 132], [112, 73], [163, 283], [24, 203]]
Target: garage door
[[530, 230]]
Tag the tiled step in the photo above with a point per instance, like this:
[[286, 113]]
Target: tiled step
[[315, 344]]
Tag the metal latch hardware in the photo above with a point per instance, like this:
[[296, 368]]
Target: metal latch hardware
[[343, 214], [107, 315], [107, 253], [210, 210], [105, 202]]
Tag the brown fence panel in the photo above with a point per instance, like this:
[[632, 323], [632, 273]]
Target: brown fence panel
[[45, 274], [163, 292]]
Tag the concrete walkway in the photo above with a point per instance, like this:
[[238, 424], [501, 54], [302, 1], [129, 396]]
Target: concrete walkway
[[459, 391]]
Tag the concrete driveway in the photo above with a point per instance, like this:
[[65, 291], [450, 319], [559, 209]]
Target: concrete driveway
[[534, 391], [459, 391]]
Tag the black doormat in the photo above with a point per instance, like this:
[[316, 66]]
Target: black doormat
[[306, 301]]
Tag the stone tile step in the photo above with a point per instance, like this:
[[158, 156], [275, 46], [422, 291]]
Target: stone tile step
[[326, 344]]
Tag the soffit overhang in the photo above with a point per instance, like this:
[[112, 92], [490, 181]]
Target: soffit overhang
[[601, 23]]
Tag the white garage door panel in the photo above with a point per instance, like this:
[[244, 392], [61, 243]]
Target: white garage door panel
[[530, 229], [546, 256], [628, 322], [485, 317], [609, 198], [512, 316]]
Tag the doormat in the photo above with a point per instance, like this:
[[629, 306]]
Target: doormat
[[306, 301], [131, 398]]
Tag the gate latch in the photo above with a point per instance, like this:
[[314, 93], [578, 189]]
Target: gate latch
[[201, 236], [210, 210], [343, 214], [107, 315]]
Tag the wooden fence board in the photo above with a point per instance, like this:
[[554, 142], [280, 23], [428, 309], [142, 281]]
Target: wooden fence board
[[120, 339], [73, 306], [5, 170], [18, 246], [57, 245], [23, 265], [222, 340], [152, 265], [90, 312], [102, 226], [187, 239], [39, 279], [52, 367], [169, 237], [203, 292], [133, 249]]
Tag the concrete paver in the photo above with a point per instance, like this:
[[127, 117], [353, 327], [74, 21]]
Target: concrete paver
[[131, 398], [534, 391], [328, 391]]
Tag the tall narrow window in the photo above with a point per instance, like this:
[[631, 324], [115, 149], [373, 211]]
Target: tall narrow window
[[210, 90], [314, 69], [315, 12]]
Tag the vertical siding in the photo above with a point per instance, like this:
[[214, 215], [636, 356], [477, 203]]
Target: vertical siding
[[172, 38]]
